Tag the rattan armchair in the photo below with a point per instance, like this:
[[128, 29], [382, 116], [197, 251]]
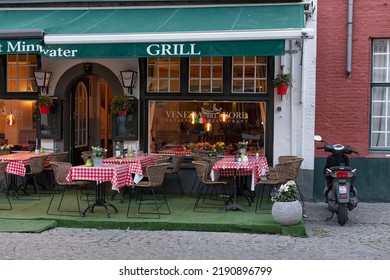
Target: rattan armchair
[[48, 170], [174, 169], [147, 193], [202, 171], [60, 171], [34, 172], [274, 179], [3, 166]]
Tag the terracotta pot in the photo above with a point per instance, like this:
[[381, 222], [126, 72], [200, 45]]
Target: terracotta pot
[[123, 113], [282, 89], [44, 109], [287, 213]]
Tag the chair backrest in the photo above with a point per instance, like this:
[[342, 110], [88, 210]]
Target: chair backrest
[[283, 171], [211, 161], [61, 170], [37, 164], [57, 157], [3, 166], [162, 159], [85, 157], [5, 152], [202, 168], [282, 159], [156, 174], [177, 160], [295, 167]]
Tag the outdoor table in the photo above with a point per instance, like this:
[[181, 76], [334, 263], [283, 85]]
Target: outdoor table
[[137, 165], [17, 164], [118, 175], [229, 167]]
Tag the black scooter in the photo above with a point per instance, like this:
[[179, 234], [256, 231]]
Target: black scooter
[[340, 190]]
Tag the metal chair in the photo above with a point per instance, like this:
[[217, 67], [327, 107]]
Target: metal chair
[[174, 169], [3, 166], [153, 185], [48, 170], [202, 171], [60, 171], [275, 178], [34, 171]]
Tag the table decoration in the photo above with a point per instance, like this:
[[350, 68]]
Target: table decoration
[[98, 155]]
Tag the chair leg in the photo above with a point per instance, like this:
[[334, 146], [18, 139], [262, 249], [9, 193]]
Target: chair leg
[[301, 195], [7, 196]]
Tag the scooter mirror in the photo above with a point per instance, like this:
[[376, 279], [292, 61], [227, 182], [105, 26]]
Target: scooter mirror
[[317, 138]]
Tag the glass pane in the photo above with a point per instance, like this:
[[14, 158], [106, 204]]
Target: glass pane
[[379, 109], [380, 45], [253, 72], [178, 131], [380, 60], [20, 73], [379, 93], [378, 139], [379, 75], [378, 124]]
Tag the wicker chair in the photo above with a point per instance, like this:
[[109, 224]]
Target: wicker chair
[[54, 157], [275, 178], [153, 185], [3, 166], [60, 171], [35, 170], [174, 169], [202, 171]]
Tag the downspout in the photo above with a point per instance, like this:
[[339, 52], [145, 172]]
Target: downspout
[[349, 39]]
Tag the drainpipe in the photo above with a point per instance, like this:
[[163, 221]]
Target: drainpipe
[[349, 38]]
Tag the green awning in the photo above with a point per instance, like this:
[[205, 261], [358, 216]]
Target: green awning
[[146, 32]]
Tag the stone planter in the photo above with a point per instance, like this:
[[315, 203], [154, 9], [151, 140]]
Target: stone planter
[[287, 213]]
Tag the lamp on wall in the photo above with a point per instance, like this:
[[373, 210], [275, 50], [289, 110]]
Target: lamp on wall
[[129, 78], [42, 78], [10, 119], [193, 116], [208, 127]]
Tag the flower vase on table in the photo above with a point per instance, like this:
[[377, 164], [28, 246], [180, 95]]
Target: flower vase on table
[[286, 209], [97, 161]]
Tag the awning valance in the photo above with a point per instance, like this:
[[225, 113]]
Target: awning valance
[[145, 32]]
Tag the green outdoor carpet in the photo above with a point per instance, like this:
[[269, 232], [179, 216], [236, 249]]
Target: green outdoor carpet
[[30, 216], [23, 225]]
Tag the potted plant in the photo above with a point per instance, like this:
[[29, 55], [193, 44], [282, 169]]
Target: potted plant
[[122, 104], [242, 147], [281, 82], [286, 209], [44, 102], [98, 154]]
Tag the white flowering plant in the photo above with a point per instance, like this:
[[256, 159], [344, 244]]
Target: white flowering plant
[[243, 144], [98, 151], [6, 147], [285, 193]]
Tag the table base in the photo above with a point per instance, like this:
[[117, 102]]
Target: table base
[[100, 200]]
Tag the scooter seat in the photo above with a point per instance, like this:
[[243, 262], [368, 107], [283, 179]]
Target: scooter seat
[[337, 168]]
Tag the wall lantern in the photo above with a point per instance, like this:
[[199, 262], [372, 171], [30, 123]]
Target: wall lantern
[[129, 78], [42, 78], [223, 118]]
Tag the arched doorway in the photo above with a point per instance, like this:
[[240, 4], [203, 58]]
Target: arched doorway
[[86, 93], [91, 123]]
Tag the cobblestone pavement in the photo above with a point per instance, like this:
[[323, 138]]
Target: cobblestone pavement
[[365, 237]]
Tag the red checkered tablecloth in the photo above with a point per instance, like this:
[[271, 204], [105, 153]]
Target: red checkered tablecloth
[[137, 165], [228, 167], [17, 162], [118, 175]]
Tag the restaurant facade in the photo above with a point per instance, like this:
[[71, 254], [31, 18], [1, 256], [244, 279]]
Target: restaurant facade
[[195, 71]]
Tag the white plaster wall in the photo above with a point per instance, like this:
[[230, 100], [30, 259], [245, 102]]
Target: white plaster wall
[[295, 122]]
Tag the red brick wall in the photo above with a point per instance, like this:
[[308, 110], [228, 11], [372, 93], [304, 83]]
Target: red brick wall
[[343, 104]]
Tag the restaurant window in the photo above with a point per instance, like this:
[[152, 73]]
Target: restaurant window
[[249, 74], [205, 74], [163, 75], [176, 125], [380, 95], [20, 72], [18, 123]]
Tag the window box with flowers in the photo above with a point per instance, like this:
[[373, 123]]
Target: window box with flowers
[[44, 102], [286, 209], [208, 149]]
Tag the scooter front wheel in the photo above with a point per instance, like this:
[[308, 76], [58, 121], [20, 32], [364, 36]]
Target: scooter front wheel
[[342, 213]]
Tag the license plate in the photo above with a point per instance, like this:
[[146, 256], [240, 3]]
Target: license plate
[[342, 189]]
